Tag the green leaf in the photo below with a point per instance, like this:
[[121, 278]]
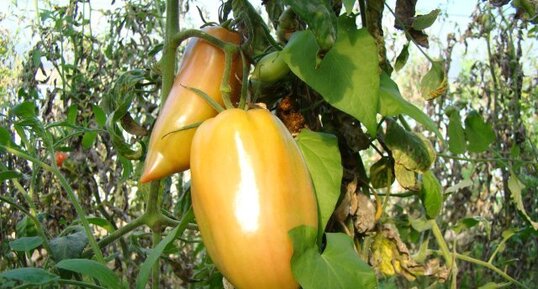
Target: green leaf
[[5, 136], [469, 222], [348, 5], [24, 110], [348, 76], [70, 246], [147, 266], [27, 275], [101, 222], [72, 114], [88, 139], [402, 58], [126, 167], [516, 187], [36, 57], [9, 174], [338, 267], [100, 116], [456, 134], [392, 103], [434, 83], [382, 173], [92, 269], [409, 149], [422, 22], [420, 224], [323, 160], [431, 195], [321, 20], [492, 285], [25, 244], [479, 133]]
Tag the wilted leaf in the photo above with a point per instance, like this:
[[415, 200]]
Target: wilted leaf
[[348, 76], [434, 83], [365, 214], [338, 267], [516, 187], [411, 150], [422, 22], [479, 133], [382, 173], [390, 256], [406, 178], [405, 11], [431, 195], [322, 157], [462, 184]]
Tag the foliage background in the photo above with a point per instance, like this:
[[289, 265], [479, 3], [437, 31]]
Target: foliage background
[[85, 63]]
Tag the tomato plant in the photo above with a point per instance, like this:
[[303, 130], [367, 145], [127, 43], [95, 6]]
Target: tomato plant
[[370, 190]]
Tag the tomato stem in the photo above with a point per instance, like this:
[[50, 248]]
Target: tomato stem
[[244, 85]]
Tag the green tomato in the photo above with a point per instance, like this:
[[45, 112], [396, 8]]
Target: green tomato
[[270, 68]]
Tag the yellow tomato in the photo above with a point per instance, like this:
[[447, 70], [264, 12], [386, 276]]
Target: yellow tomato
[[250, 186], [202, 68]]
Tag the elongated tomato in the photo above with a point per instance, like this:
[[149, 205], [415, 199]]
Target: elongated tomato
[[202, 68], [250, 186]]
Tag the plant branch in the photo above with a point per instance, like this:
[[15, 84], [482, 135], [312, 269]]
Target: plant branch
[[70, 194], [441, 242], [489, 266]]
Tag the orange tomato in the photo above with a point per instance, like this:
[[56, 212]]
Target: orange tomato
[[250, 186], [202, 68], [60, 158]]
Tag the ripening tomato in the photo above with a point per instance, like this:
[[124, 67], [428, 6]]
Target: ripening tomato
[[250, 186], [60, 158], [202, 68]]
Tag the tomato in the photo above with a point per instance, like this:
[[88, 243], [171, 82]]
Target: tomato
[[270, 68], [60, 158], [202, 68], [250, 186]]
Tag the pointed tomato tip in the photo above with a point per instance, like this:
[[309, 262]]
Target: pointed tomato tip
[[146, 177]]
